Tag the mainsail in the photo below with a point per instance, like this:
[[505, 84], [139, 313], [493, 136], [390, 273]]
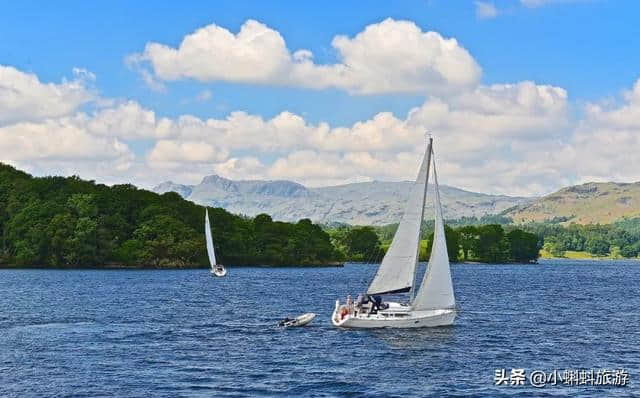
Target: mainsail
[[436, 291], [396, 272], [207, 232]]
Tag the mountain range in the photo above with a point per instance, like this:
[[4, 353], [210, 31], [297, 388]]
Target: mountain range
[[365, 203]]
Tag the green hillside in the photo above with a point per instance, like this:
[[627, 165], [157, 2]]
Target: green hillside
[[590, 203]]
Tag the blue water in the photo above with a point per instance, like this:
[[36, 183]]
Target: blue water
[[184, 333]]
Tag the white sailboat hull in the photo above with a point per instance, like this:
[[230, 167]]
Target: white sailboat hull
[[220, 272], [396, 316]]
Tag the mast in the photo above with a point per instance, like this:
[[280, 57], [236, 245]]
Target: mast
[[426, 186]]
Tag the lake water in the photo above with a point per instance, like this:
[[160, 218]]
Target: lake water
[[185, 333]]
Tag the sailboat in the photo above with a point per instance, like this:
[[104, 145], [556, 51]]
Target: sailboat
[[216, 269], [432, 303]]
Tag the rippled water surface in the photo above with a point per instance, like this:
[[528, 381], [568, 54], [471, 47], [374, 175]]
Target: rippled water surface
[[185, 333]]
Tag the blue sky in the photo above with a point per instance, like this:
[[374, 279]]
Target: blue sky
[[587, 48]]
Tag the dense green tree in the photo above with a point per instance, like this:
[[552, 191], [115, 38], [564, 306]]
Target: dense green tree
[[523, 246], [468, 237], [362, 242], [631, 250], [492, 245], [554, 247], [597, 245]]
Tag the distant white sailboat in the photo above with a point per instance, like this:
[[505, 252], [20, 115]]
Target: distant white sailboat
[[216, 269], [434, 303]]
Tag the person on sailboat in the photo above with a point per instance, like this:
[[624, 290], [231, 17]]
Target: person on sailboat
[[360, 301], [376, 303]]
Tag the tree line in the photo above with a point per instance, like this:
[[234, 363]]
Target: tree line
[[67, 222], [621, 239], [483, 243], [470, 240]]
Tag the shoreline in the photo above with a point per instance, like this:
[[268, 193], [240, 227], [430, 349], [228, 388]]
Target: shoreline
[[591, 258], [581, 255], [331, 265], [156, 268]]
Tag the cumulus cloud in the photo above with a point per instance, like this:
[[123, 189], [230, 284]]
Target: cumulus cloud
[[58, 139], [480, 134], [390, 56], [606, 142], [317, 168], [287, 132], [502, 110], [59, 146], [241, 168], [492, 136], [127, 120], [168, 153], [23, 97], [503, 138]]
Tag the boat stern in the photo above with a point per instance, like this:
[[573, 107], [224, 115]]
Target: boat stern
[[340, 314]]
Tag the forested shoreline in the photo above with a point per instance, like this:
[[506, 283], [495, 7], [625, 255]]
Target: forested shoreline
[[483, 243], [495, 239], [618, 240], [69, 222]]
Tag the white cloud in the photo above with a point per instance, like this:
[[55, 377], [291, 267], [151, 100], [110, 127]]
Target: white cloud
[[482, 139], [504, 138], [128, 121], [243, 168], [151, 82], [168, 153], [317, 168], [483, 135], [58, 139], [507, 110], [606, 142], [473, 130], [23, 97], [497, 137], [390, 56], [58, 146], [485, 10]]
